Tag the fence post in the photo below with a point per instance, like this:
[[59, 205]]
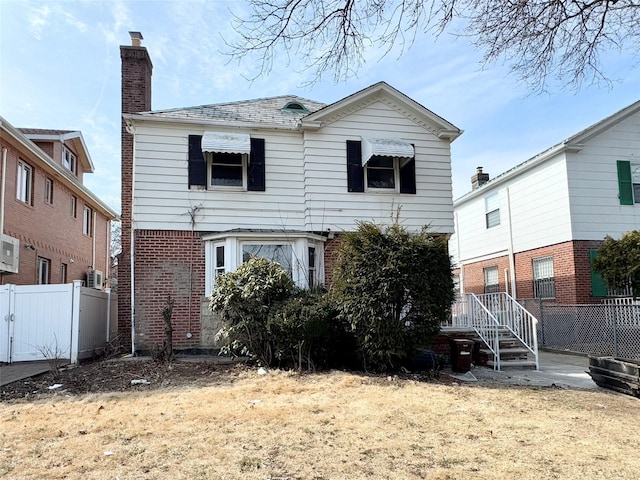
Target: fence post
[[75, 321], [615, 329]]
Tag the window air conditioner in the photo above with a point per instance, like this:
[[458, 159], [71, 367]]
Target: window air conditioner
[[94, 279], [10, 258]]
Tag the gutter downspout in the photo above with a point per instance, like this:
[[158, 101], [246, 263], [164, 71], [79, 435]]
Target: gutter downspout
[[2, 192], [93, 243], [512, 259], [133, 313]]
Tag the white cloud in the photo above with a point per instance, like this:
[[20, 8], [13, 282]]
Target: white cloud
[[38, 20]]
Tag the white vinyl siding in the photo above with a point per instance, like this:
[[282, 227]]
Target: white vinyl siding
[[593, 183], [162, 198], [327, 200]]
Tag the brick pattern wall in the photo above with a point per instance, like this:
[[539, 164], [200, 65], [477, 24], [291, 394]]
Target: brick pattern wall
[[168, 263], [571, 271], [136, 97], [331, 248], [49, 228]]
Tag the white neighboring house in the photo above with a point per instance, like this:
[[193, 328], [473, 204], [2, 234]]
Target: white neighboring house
[[533, 230], [276, 177]]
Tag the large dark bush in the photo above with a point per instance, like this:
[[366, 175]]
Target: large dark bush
[[392, 289]]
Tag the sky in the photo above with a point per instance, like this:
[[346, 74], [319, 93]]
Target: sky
[[60, 69]]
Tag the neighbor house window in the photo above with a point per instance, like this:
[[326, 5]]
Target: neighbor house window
[[69, 160], [87, 221], [44, 268], [74, 206], [492, 210], [25, 182], [543, 280], [281, 253], [63, 273], [491, 284], [48, 191]]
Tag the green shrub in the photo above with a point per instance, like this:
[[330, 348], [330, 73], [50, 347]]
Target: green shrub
[[392, 288], [618, 261], [245, 299], [306, 331]]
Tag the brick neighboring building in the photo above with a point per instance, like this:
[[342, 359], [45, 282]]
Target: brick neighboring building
[[534, 230], [60, 229], [205, 187]]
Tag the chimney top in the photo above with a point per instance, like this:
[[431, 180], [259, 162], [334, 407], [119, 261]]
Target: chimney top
[[479, 179], [135, 39]]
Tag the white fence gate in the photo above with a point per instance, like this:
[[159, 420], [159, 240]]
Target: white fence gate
[[66, 321]]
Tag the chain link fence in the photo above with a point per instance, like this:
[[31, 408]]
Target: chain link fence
[[605, 330]]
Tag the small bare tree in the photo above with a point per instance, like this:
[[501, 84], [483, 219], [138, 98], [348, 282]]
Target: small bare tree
[[541, 40]]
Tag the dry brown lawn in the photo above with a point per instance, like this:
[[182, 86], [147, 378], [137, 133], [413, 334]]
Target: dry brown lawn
[[323, 426]]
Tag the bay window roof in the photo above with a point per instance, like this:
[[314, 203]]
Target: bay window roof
[[386, 147], [223, 142]]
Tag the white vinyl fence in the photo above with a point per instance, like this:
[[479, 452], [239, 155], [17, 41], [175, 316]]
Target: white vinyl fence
[[67, 321]]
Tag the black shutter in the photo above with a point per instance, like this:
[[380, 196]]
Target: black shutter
[[255, 172], [408, 177], [197, 163], [355, 171]]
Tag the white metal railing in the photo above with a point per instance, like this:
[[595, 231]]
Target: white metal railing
[[488, 313]]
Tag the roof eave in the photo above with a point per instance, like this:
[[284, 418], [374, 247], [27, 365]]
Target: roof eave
[[132, 119]]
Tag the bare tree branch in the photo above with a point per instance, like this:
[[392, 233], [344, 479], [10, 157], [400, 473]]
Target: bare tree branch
[[542, 41]]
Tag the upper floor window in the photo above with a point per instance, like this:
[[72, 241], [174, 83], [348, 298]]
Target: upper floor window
[[87, 221], [385, 164], [228, 170], [74, 206], [24, 182], [492, 210], [223, 160], [69, 160], [628, 182], [491, 283], [543, 279], [48, 191]]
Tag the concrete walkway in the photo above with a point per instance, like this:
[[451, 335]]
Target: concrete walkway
[[556, 369], [13, 372]]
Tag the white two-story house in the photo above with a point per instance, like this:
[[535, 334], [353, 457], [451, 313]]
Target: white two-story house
[[206, 187], [533, 230]]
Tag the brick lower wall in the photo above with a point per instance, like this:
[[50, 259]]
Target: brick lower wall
[[168, 263], [571, 270]]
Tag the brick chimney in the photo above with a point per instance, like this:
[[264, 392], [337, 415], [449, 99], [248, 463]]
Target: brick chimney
[[136, 97], [479, 179]]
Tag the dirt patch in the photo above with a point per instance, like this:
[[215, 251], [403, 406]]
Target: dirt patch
[[142, 374]]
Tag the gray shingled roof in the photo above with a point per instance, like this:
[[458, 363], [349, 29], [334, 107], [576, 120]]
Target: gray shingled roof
[[268, 111], [43, 131]]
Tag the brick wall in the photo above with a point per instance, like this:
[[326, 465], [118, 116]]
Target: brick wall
[[331, 248], [168, 263], [571, 271], [136, 97], [49, 228]]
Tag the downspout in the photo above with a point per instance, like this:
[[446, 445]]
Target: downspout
[[512, 260], [2, 188], [93, 243], [133, 314]]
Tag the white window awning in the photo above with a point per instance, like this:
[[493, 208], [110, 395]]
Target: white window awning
[[222, 142], [386, 147]]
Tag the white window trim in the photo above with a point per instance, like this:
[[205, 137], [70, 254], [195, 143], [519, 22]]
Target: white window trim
[[48, 191], [635, 179], [87, 223], [24, 182], [69, 160], [491, 205], [245, 165], [46, 263], [233, 242], [396, 179]]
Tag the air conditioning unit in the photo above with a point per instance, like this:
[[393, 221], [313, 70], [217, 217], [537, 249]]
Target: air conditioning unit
[[94, 279], [10, 259]]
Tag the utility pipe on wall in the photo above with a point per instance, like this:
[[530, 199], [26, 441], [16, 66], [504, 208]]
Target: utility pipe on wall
[[4, 181], [512, 260]]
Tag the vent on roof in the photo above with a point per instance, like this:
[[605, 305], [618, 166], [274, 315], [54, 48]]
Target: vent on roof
[[295, 107]]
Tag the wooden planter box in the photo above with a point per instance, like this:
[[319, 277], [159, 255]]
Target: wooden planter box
[[619, 374]]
